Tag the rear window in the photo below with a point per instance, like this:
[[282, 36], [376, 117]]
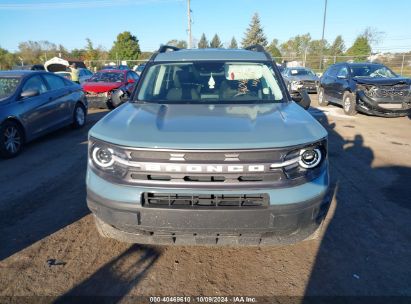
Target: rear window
[[210, 81]]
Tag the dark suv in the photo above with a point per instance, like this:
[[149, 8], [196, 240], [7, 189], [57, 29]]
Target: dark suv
[[369, 88]]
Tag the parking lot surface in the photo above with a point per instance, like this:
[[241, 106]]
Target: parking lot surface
[[49, 244]]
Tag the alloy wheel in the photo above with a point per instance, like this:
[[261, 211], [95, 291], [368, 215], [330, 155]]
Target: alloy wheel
[[80, 117], [12, 140]]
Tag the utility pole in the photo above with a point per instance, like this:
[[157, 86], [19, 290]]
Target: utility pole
[[189, 24], [322, 36]]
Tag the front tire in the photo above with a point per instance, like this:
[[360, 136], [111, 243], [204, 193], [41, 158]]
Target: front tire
[[79, 116], [349, 104], [321, 98], [11, 140]]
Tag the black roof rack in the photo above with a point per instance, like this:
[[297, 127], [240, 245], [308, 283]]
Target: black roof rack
[[164, 48], [258, 48]]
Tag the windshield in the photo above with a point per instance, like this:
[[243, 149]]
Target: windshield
[[373, 71], [210, 81], [8, 86], [301, 72], [107, 77]]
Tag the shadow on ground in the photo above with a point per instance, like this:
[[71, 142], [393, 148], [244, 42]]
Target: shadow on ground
[[365, 250], [114, 280], [31, 215]]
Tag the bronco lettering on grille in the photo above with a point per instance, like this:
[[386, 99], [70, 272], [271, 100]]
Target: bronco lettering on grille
[[202, 168]]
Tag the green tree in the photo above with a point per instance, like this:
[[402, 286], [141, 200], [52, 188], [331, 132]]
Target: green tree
[[181, 44], [254, 33], [77, 54], [216, 42], [359, 49], [145, 55], [7, 59], [233, 44], [337, 48], [90, 52], [273, 50], [311, 56], [296, 47], [37, 51], [203, 43], [125, 47]]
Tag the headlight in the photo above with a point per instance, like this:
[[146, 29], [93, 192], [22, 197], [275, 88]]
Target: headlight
[[308, 161], [295, 85], [103, 156], [310, 158]]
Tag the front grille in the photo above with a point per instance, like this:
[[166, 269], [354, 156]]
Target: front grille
[[203, 157], [309, 82], [275, 175], [173, 200], [210, 169], [386, 91]]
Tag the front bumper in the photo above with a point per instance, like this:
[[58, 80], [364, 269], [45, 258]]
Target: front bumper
[[294, 214], [99, 102], [369, 106]]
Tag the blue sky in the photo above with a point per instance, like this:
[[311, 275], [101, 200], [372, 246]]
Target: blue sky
[[70, 22]]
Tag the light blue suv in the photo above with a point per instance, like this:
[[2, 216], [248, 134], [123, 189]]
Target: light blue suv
[[211, 149]]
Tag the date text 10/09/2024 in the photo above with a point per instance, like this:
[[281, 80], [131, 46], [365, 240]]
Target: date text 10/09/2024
[[203, 299]]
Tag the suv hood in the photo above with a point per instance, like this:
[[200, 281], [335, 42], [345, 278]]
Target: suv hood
[[382, 81], [100, 87], [208, 126]]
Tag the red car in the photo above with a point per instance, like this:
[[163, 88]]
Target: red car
[[102, 84]]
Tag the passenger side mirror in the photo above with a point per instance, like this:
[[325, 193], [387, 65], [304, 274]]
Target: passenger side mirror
[[29, 93], [301, 98]]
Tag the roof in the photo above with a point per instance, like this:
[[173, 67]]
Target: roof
[[211, 54], [363, 63], [19, 73], [358, 63]]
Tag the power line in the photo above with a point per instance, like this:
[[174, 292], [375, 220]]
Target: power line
[[77, 4]]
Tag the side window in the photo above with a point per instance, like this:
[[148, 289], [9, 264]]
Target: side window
[[54, 82], [35, 83], [81, 73], [343, 72]]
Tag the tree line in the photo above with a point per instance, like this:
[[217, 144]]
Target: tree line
[[126, 47]]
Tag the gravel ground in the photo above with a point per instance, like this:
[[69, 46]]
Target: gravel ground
[[364, 248]]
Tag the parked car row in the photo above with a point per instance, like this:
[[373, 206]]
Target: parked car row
[[369, 88]]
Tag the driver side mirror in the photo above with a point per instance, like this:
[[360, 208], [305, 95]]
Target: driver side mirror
[[301, 98], [29, 93]]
